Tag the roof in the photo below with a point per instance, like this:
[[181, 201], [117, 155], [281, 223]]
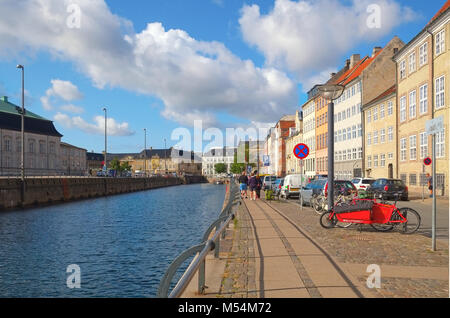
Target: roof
[[221, 152], [445, 8], [94, 156], [388, 92], [10, 108], [356, 71], [70, 146]]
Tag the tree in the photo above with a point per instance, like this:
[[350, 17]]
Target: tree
[[220, 168], [115, 164], [237, 168], [125, 166]]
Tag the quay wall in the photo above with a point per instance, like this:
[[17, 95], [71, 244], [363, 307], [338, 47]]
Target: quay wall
[[39, 191]]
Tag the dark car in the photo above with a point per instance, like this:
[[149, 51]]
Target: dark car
[[277, 185], [388, 189]]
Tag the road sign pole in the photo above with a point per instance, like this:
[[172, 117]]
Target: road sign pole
[[301, 185], [433, 209], [423, 182]]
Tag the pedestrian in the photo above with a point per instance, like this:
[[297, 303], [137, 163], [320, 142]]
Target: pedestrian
[[253, 183], [258, 185], [430, 184], [243, 181]]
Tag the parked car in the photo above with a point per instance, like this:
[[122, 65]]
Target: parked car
[[291, 185], [319, 187], [363, 183], [388, 189], [101, 173], [314, 188], [276, 186], [268, 181]]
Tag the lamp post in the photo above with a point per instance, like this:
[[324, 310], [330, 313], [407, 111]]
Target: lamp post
[[106, 137], [145, 151], [22, 161], [165, 155], [331, 92]]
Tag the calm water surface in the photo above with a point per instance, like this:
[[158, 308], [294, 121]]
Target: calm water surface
[[123, 244]]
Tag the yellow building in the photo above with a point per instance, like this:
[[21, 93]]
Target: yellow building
[[295, 138], [380, 124], [423, 67]]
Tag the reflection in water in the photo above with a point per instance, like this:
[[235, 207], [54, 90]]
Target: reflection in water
[[123, 244]]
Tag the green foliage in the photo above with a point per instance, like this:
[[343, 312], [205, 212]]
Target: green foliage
[[117, 166], [220, 168]]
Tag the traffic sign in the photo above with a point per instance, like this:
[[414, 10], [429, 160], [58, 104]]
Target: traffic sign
[[435, 125], [301, 151], [427, 161]]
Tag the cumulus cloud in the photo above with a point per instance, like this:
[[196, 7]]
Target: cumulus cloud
[[60, 89], [72, 109], [308, 37], [194, 79], [97, 128]]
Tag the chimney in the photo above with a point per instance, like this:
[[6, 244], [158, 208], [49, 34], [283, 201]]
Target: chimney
[[354, 59], [332, 75], [5, 99], [376, 49], [347, 63], [395, 50]]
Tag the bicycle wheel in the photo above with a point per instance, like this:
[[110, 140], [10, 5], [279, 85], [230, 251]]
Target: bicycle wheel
[[317, 204], [326, 222], [413, 221]]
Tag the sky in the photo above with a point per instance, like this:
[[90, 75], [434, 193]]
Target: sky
[[164, 65]]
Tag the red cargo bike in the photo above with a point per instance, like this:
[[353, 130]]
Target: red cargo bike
[[381, 216]]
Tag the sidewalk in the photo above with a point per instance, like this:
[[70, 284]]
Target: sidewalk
[[269, 257]]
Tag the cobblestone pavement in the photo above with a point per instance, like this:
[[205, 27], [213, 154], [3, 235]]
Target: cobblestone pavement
[[239, 276], [365, 246]]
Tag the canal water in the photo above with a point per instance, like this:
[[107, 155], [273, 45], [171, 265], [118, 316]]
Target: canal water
[[122, 244]]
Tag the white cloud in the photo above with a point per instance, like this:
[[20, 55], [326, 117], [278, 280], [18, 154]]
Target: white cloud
[[97, 128], [72, 109], [308, 37], [194, 79], [63, 90]]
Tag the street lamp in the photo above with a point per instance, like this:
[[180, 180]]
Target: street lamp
[[145, 151], [165, 155], [22, 163], [331, 92], [106, 138]]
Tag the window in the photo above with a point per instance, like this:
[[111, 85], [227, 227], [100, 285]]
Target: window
[[353, 110], [412, 104], [358, 108], [339, 117], [31, 146], [349, 133], [360, 153], [402, 69], [403, 109], [423, 99], [354, 132], [423, 145], [391, 133], [375, 161], [375, 137], [369, 139], [7, 147], [382, 111], [42, 147], [423, 54], [440, 42], [340, 135], [358, 87], [413, 147], [19, 144], [344, 155], [348, 112], [335, 136], [354, 153], [353, 90], [383, 136], [403, 149], [440, 92], [412, 62], [391, 155], [369, 161], [343, 115], [369, 116], [440, 144], [344, 135], [359, 130], [390, 108], [375, 114], [413, 179], [383, 160]]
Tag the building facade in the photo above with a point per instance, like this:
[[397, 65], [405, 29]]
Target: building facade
[[42, 142], [309, 134], [423, 94], [73, 160], [217, 155], [295, 138], [381, 122]]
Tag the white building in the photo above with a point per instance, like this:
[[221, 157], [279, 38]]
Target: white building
[[309, 136], [217, 155]]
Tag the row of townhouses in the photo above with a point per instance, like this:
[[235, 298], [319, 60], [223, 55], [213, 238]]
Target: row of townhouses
[[380, 119]]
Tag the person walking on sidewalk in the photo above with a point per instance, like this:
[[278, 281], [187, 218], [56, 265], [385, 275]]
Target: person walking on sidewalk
[[253, 184], [243, 181], [430, 184], [258, 186]]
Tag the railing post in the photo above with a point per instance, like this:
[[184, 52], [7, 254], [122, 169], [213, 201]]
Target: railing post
[[201, 278]]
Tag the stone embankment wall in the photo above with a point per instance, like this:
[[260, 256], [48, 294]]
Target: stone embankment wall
[[49, 190]]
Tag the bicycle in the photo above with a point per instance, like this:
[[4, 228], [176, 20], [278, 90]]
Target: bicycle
[[382, 217]]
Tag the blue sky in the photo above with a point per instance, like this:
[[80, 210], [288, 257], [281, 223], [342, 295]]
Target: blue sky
[[230, 63]]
